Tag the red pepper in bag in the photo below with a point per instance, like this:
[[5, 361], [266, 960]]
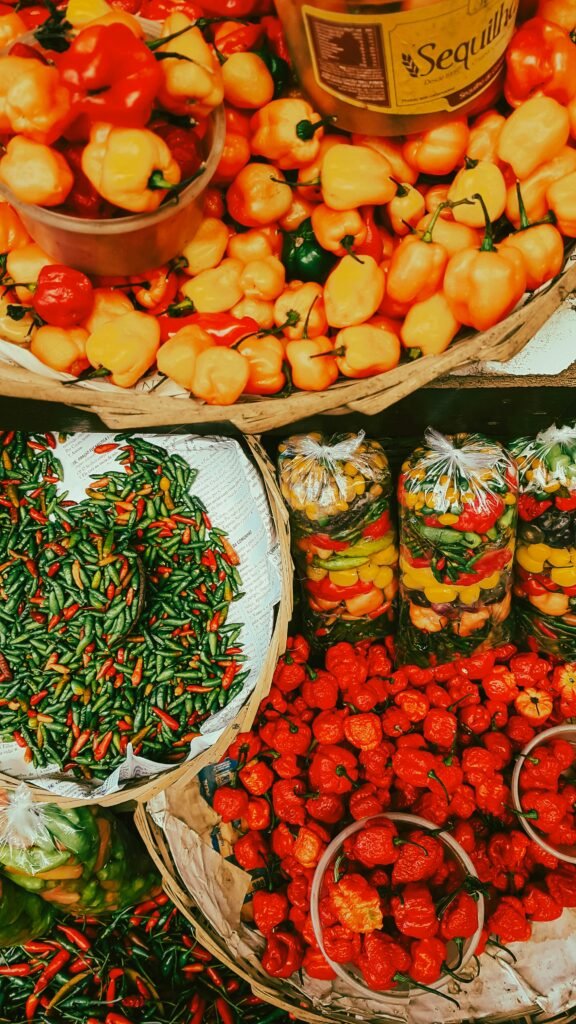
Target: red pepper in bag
[[113, 76], [540, 60]]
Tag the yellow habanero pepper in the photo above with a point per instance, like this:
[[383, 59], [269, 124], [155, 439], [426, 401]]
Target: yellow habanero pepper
[[300, 210], [21, 331], [429, 326], [248, 83], [562, 201], [405, 209], [353, 291], [263, 279], [207, 247], [440, 150], [250, 245], [288, 132], [35, 173], [300, 308], [309, 176], [265, 357], [353, 176], [338, 231], [62, 349], [32, 100], [23, 266], [130, 167], [13, 234], [220, 376], [193, 79], [392, 151], [483, 179], [216, 290], [536, 185], [534, 133], [258, 196], [177, 356], [109, 304], [366, 350], [448, 233], [126, 346], [484, 135], [312, 363], [11, 27], [257, 309]]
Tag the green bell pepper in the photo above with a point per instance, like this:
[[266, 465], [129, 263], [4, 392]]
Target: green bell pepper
[[303, 256]]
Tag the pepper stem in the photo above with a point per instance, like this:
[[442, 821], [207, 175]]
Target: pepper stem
[[432, 775], [307, 320], [89, 375], [157, 181], [447, 205], [401, 190], [347, 244], [524, 222], [305, 130], [182, 308], [488, 240], [494, 942], [407, 980]]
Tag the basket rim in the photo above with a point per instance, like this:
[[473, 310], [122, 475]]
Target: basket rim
[[138, 790], [132, 409]]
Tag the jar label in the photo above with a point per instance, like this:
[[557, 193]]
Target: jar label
[[424, 61]]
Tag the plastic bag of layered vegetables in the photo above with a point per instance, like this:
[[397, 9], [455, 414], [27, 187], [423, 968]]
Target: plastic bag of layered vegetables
[[80, 859], [338, 491], [22, 915], [458, 504], [545, 569]]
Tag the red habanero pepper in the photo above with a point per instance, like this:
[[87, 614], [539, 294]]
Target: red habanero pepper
[[288, 801], [546, 809], [540, 61], [327, 807], [363, 730], [500, 747], [508, 922], [282, 841], [561, 884], [372, 244], [377, 765], [342, 945], [540, 770], [244, 748], [413, 703], [286, 766], [414, 912], [395, 722], [274, 33], [158, 10], [256, 777], [539, 905], [298, 649], [288, 675], [316, 965], [290, 736], [419, 858], [428, 956], [383, 962], [333, 769], [258, 814], [321, 692], [112, 75], [63, 297], [367, 801], [231, 804], [233, 37], [440, 727], [519, 730], [283, 954], [184, 145], [328, 591], [308, 847], [251, 851], [270, 909], [566, 504], [529, 669]]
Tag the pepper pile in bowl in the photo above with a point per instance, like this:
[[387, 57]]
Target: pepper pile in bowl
[[322, 255]]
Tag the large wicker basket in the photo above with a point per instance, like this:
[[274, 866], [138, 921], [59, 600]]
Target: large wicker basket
[[269, 989], [129, 410], [144, 789]]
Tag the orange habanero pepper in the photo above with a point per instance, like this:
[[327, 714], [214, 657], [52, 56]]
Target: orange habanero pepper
[[300, 210], [62, 349], [299, 310], [450, 234], [338, 231], [220, 376], [259, 195], [287, 132], [483, 285], [33, 101], [561, 12], [534, 133], [109, 303], [393, 153], [312, 363], [13, 234], [177, 357], [440, 150], [417, 266], [265, 355], [35, 173], [235, 156], [366, 349], [248, 83], [541, 246], [487, 180], [255, 244], [308, 184]]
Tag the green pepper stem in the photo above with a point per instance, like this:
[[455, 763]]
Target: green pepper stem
[[432, 775], [305, 130], [469, 163], [524, 222], [347, 244], [494, 942], [407, 980], [182, 308], [488, 240], [157, 181], [89, 375], [401, 190], [307, 320]]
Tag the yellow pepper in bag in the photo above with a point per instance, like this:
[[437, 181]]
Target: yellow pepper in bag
[[63, 349], [353, 291], [533, 134], [288, 132], [130, 167], [248, 83], [216, 290], [177, 356], [207, 247], [32, 100], [193, 80], [35, 173], [353, 176], [126, 346]]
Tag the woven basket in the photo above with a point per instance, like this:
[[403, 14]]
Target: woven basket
[[139, 790], [269, 989], [129, 410]]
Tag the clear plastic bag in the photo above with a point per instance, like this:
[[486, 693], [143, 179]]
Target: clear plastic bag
[[545, 566], [338, 491], [458, 507], [80, 859], [23, 916]]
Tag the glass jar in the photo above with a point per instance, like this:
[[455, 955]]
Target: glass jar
[[395, 67]]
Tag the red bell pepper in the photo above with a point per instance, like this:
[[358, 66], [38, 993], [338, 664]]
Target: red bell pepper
[[566, 504], [379, 528], [540, 60], [224, 328], [477, 516], [328, 591], [529, 508], [322, 540], [113, 76]]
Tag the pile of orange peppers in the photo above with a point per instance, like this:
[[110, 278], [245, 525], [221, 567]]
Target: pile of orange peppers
[[320, 255]]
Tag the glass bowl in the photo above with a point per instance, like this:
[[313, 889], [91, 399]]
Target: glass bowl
[[348, 972], [557, 732]]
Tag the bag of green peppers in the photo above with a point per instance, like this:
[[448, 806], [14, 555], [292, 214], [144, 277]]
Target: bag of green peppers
[[338, 491], [545, 568], [22, 915], [80, 859], [458, 504]]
